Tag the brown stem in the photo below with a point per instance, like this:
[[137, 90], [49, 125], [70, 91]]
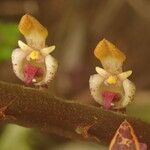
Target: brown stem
[[37, 109]]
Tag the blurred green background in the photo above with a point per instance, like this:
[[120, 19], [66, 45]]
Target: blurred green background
[[75, 27]]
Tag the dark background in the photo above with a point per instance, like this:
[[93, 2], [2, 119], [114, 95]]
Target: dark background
[[75, 27]]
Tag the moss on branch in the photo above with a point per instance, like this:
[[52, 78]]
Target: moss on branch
[[37, 109]]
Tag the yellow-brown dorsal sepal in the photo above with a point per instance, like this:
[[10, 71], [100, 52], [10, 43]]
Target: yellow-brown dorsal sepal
[[34, 32], [125, 138], [109, 55], [106, 48]]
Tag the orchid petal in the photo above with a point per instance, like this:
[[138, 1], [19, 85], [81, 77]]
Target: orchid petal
[[101, 71], [124, 75], [18, 57], [24, 46], [51, 68], [95, 84], [47, 50], [129, 89]]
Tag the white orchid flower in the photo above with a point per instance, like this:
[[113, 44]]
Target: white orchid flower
[[111, 87], [32, 62]]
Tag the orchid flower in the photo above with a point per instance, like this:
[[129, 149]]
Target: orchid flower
[[111, 87], [32, 62], [125, 139]]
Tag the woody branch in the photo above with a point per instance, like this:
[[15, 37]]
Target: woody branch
[[37, 109]]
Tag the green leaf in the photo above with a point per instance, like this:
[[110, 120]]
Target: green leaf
[[14, 138], [9, 35], [140, 111]]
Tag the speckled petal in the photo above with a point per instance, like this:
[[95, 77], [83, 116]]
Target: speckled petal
[[51, 68], [129, 89], [18, 57], [95, 83]]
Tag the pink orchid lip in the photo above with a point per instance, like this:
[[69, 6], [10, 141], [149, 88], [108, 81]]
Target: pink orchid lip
[[109, 97], [30, 72]]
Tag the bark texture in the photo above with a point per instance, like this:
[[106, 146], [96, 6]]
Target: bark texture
[[32, 108]]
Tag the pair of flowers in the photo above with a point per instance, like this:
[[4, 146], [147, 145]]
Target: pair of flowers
[[110, 87], [33, 64]]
